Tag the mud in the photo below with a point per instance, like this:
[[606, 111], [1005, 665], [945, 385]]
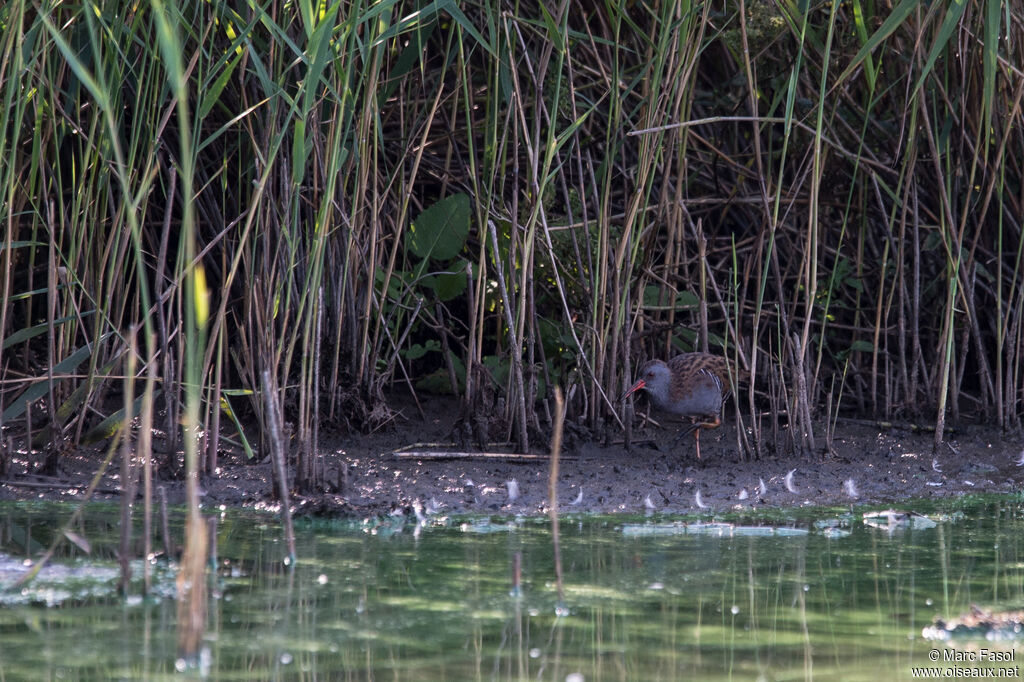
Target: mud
[[363, 475]]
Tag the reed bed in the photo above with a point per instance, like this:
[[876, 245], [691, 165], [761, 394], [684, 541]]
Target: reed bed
[[377, 199]]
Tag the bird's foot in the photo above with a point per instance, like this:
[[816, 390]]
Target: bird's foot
[[686, 432]]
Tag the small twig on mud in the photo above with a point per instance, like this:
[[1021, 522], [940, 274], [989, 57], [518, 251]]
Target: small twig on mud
[[882, 424], [62, 486], [454, 455]]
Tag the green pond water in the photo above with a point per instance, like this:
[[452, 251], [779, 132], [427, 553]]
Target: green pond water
[[794, 595]]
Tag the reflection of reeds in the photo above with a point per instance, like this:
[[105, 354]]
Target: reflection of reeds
[[191, 584], [636, 182], [277, 455], [556, 452], [129, 471]]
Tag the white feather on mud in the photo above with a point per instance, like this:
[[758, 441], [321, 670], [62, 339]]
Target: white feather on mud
[[789, 481], [850, 488]]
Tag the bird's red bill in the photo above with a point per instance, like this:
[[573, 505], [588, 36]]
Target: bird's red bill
[[634, 388]]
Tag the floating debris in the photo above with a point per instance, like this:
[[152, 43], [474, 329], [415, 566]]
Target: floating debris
[[835, 533], [485, 526], [714, 529], [638, 529], [894, 519], [792, 532], [835, 527], [75, 581], [979, 624], [770, 531]]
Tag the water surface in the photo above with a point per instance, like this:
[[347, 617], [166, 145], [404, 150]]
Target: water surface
[[807, 594]]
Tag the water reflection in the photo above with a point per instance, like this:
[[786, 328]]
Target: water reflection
[[782, 598]]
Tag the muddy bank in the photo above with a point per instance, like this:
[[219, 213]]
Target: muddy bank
[[868, 464]]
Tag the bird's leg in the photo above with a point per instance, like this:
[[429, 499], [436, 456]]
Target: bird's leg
[[714, 424], [711, 425]]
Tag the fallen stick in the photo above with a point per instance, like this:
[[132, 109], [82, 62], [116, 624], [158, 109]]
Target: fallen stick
[[883, 424], [449, 454], [423, 444], [60, 486]]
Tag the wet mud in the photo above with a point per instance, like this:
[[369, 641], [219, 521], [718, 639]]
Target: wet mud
[[402, 469]]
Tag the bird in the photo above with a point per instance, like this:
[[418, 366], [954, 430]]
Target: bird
[[691, 385]]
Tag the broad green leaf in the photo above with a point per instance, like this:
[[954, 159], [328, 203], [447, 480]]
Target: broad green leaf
[[683, 300], [447, 285], [439, 382], [499, 368], [686, 299], [417, 351], [440, 231]]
